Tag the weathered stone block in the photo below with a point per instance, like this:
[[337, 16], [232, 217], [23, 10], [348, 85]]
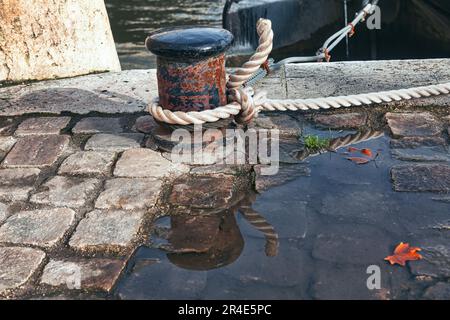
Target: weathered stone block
[[114, 142], [285, 174], [107, 230], [67, 192], [91, 274], [44, 228], [129, 194], [98, 125], [287, 125], [421, 178], [413, 124], [145, 163], [417, 142], [204, 192], [6, 143], [145, 124], [17, 183], [36, 151], [88, 163], [3, 212], [341, 120], [42, 126], [17, 265]]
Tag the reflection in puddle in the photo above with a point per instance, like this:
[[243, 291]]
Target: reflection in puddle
[[311, 237], [208, 241]]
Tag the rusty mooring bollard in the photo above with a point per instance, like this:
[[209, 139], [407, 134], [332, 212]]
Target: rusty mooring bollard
[[191, 67]]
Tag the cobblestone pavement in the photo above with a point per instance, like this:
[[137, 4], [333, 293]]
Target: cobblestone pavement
[[79, 193]]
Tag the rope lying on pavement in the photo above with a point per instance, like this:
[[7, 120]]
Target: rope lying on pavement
[[245, 104]]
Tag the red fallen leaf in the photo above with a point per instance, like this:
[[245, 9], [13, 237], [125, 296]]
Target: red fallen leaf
[[404, 253], [352, 149], [367, 152], [358, 160]]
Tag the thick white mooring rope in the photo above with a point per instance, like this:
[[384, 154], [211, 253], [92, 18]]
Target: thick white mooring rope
[[245, 104]]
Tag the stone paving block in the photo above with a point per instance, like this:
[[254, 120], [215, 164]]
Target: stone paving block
[[421, 178], [287, 125], [129, 194], [145, 124], [341, 120], [417, 142], [36, 151], [6, 143], [44, 228], [286, 173], [98, 125], [69, 192], [413, 124], [114, 142], [16, 184], [88, 163], [7, 127], [94, 274], [42, 126], [436, 257], [146, 163], [107, 230], [204, 192], [3, 212], [422, 154], [17, 265]]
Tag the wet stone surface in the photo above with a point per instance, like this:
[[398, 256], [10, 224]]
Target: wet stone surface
[[413, 124], [89, 196], [440, 291], [204, 192], [423, 177], [94, 274]]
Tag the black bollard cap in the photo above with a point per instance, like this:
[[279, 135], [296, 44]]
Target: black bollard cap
[[192, 42]]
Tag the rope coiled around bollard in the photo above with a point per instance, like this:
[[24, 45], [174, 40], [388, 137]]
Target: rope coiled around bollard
[[245, 104]]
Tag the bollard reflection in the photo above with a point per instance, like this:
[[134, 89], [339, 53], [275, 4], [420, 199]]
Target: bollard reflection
[[204, 241]]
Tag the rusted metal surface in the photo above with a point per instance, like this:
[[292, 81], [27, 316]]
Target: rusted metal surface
[[191, 67], [193, 86]]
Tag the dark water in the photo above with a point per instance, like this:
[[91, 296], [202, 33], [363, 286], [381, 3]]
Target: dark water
[[132, 20], [331, 227]]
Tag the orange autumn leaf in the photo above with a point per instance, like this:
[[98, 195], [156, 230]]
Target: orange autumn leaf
[[358, 160], [404, 253], [367, 152]]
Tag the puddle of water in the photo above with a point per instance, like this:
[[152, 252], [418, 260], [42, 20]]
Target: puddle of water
[[311, 238]]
